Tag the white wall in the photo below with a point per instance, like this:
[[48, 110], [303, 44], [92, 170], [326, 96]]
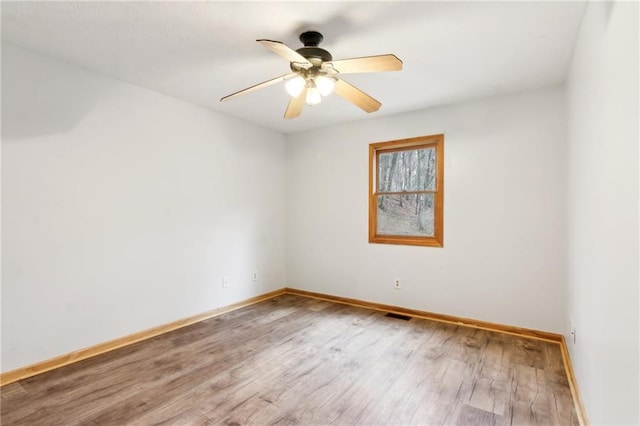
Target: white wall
[[504, 235], [603, 212], [123, 208]]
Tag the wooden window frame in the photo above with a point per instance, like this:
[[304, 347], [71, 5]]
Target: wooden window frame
[[375, 149]]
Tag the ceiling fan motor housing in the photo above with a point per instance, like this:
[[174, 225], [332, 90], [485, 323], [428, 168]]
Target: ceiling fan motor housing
[[311, 40]]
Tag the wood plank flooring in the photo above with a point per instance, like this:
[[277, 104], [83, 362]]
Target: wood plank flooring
[[296, 360]]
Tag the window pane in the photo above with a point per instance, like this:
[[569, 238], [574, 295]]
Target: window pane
[[410, 214], [410, 170]]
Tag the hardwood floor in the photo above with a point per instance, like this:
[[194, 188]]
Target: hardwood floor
[[296, 360]]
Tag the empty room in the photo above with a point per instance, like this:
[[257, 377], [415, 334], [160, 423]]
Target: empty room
[[313, 213]]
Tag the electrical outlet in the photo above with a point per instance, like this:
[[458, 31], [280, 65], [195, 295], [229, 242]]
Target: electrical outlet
[[225, 281], [396, 283], [254, 276]]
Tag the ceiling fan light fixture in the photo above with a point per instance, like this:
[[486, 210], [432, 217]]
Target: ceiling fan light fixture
[[314, 74], [295, 85], [313, 96], [324, 84]]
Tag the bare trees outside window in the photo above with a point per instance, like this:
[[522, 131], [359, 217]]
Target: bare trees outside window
[[406, 191]]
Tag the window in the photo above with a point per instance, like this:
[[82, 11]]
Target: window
[[406, 191]]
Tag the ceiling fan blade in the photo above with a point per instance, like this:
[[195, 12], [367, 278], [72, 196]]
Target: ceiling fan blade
[[356, 96], [258, 86], [295, 105], [286, 52], [367, 64]]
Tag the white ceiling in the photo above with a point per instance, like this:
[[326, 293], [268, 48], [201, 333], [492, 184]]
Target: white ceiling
[[201, 51]]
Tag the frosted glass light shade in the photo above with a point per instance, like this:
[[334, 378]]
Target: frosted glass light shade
[[324, 84], [294, 86], [313, 96]]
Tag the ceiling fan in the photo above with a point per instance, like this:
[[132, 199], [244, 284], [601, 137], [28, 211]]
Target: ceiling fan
[[314, 74]]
